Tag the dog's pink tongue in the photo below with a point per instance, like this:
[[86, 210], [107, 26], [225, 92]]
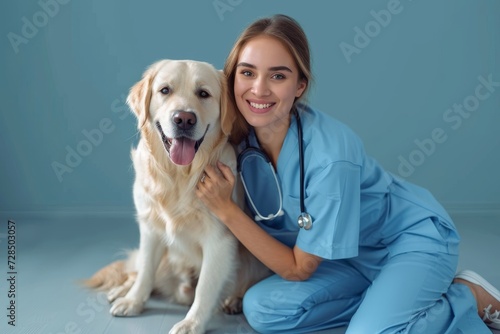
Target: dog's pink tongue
[[182, 151]]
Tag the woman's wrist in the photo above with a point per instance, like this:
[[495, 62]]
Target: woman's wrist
[[227, 214]]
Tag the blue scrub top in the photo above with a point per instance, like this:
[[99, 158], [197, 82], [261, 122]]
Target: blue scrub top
[[354, 203]]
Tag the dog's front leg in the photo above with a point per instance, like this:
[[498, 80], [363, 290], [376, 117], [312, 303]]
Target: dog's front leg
[[151, 249], [216, 269]]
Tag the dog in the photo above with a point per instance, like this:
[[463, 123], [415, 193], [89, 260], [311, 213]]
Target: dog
[[184, 118]]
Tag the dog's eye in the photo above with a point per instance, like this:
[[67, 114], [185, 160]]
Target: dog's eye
[[165, 90], [203, 94]]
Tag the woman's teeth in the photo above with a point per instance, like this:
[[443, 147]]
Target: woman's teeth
[[260, 106]]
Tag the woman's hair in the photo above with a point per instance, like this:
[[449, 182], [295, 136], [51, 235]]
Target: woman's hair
[[287, 31]]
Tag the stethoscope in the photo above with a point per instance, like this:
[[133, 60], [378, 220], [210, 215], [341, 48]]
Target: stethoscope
[[305, 219], [253, 156]]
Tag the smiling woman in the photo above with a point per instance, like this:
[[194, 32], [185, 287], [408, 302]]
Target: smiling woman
[[267, 83], [293, 69]]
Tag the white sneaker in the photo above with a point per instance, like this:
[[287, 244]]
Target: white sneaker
[[492, 320]]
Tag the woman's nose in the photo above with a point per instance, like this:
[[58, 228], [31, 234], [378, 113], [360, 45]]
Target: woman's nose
[[260, 87]]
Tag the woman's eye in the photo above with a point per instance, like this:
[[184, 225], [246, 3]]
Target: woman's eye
[[203, 94], [246, 73], [278, 76], [165, 90]]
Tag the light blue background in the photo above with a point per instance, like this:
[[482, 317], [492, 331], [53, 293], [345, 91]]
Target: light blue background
[[77, 69]]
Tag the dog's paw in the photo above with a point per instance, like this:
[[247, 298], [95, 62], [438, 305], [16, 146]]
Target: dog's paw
[[117, 292], [232, 305], [122, 290], [187, 326], [124, 307]]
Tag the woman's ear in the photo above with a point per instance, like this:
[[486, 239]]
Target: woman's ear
[[227, 108], [139, 98], [301, 87]]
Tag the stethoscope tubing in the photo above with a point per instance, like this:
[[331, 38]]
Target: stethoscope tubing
[[304, 220], [301, 161]]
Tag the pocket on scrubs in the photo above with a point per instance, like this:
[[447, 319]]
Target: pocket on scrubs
[[447, 230], [427, 235]]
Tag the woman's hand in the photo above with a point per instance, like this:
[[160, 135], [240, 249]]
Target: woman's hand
[[216, 188]]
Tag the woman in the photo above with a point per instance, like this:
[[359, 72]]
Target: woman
[[380, 254]]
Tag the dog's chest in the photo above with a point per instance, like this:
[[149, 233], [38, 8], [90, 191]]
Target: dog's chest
[[180, 211]]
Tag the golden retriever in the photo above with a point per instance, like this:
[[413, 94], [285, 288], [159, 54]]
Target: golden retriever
[[185, 253]]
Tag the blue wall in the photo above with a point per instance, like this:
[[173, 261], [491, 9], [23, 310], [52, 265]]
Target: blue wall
[[398, 81]]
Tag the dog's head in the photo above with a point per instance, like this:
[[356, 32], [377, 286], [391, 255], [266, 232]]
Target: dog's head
[[186, 104]]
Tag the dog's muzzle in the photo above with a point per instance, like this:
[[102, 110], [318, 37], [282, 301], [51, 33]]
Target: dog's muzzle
[[181, 149]]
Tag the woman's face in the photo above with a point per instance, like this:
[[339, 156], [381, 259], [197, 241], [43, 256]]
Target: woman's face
[[266, 83]]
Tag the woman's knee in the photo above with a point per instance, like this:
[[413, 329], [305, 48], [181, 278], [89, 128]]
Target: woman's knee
[[268, 312]]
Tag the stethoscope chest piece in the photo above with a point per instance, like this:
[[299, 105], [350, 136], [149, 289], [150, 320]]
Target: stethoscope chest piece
[[305, 221]]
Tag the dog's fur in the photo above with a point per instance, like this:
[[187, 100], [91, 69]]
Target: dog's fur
[[185, 253]]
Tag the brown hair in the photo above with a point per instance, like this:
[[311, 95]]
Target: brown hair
[[290, 33]]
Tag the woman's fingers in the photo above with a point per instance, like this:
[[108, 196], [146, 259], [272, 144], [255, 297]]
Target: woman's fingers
[[226, 171], [216, 187], [216, 181], [220, 174], [210, 172]]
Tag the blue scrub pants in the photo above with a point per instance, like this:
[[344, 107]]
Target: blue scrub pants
[[406, 293]]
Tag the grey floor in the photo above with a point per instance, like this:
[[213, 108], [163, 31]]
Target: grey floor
[[52, 254]]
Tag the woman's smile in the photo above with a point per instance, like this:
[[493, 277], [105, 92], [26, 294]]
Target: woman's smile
[[260, 107]]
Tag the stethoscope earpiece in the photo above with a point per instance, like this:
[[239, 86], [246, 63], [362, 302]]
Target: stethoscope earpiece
[[305, 221]]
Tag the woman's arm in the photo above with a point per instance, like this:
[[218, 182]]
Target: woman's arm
[[215, 192]]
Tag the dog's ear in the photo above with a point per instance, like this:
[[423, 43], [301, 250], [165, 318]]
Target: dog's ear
[[139, 97], [228, 111]]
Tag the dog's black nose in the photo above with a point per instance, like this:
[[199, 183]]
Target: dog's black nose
[[184, 120]]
